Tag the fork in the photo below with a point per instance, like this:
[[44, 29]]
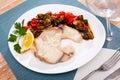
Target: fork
[[107, 65]]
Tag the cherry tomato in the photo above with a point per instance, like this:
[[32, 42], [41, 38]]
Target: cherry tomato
[[70, 17], [34, 22], [61, 13], [27, 27]]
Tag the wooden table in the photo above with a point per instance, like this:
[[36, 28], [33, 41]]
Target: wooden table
[[6, 5], [5, 71]]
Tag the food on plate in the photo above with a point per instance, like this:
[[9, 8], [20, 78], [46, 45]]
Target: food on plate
[[48, 45], [27, 41], [71, 33], [49, 19], [44, 33], [68, 51], [16, 34]]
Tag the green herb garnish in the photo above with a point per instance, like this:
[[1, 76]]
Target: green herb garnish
[[17, 48], [12, 38], [19, 31]]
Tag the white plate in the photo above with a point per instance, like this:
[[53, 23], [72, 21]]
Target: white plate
[[85, 51]]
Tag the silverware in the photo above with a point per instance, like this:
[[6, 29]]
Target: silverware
[[107, 65], [113, 76]]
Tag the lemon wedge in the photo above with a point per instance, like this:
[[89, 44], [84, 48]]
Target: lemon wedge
[[27, 41]]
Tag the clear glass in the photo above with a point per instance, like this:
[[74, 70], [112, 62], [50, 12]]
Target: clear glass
[[110, 9]]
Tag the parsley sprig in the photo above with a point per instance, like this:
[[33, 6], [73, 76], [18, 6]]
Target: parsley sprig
[[15, 36], [19, 30], [12, 38], [17, 47]]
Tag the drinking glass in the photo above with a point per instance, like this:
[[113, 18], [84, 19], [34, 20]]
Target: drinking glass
[[109, 9]]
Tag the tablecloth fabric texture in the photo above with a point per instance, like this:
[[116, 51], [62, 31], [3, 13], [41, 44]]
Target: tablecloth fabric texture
[[96, 63]]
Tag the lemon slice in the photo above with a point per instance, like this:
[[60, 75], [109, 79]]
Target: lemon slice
[[27, 41]]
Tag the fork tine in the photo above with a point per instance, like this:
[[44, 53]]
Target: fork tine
[[113, 60], [107, 65], [113, 57]]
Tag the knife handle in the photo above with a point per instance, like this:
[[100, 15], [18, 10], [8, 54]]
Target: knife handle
[[89, 75], [114, 75]]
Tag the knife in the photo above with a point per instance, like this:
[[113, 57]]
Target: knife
[[114, 76]]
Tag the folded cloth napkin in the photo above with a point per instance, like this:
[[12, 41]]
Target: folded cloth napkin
[[95, 63]]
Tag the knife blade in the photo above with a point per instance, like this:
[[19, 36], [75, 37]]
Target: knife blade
[[114, 76]]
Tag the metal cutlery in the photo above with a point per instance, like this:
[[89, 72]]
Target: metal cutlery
[[114, 75], [107, 65]]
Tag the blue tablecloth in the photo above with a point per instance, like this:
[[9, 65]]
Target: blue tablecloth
[[6, 21]]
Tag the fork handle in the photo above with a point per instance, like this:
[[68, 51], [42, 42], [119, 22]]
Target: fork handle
[[88, 76]]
